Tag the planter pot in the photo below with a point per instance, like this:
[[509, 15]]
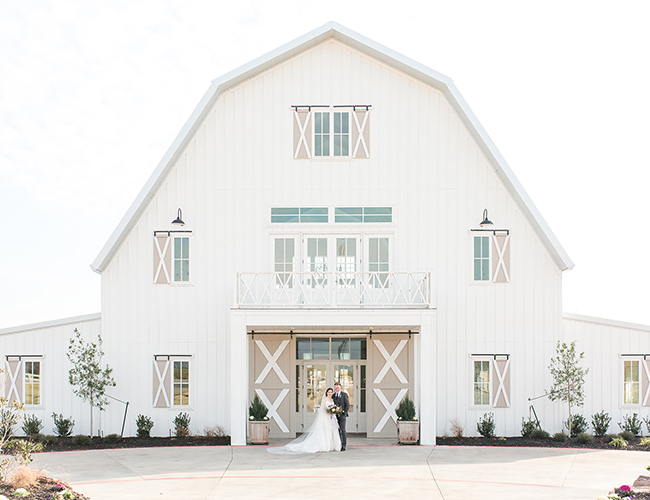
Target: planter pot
[[408, 432], [258, 432]]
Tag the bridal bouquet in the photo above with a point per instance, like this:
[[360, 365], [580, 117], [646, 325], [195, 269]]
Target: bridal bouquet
[[335, 410]]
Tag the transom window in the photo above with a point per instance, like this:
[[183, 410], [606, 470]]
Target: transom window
[[631, 382], [363, 214], [181, 259], [332, 133], [181, 383], [299, 215], [32, 382], [331, 348]]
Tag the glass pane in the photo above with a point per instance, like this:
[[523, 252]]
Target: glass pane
[[177, 371], [635, 393], [344, 374], [313, 211], [303, 349], [284, 211], [289, 250], [284, 218], [635, 371], [358, 349], [348, 218], [477, 269], [298, 387], [340, 348], [337, 123], [345, 146], [279, 251], [326, 123], [28, 394], [177, 394], [311, 247], [318, 145], [186, 248], [186, 270], [313, 218], [36, 394], [383, 249], [322, 246], [485, 275], [485, 246], [316, 380], [373, 249], [345, 123], [177, 270], [317, 123], [326, 145], [348, 210], [185, 377], [177, 248], [378, 218], [378, 210], [337, 145], [320, 349]]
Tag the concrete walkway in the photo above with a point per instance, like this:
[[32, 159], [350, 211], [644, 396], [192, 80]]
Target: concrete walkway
[[363, 471]]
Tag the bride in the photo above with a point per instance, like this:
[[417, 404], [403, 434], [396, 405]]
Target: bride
[[323, 435]]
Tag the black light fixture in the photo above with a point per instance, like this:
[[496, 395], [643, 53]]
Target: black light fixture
[[179, 219], [485, 221]]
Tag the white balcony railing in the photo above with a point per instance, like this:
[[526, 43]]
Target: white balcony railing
[[333, 289]]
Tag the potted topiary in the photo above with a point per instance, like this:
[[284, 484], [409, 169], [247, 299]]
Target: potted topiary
[[258, 422], [408, 427]]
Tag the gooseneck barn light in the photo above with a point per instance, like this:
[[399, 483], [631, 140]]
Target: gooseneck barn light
[[179, 219]]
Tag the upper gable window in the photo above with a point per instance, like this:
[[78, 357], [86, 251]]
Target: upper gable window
[[339, 131], [490, 255], [171, 257]]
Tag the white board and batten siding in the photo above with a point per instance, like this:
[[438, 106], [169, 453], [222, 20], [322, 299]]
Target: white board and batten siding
[[607, 344], [48, 343]]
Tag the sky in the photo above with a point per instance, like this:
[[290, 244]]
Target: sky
[[92, 94]]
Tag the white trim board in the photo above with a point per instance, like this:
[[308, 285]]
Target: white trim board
[[49, 324], [374, 49], [603, 321]]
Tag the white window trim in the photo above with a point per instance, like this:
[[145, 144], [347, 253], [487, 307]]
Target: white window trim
[[192, 260], [621, 385], [472, 281], [331, 110], [490, 360], [181, 357], [28, 357]]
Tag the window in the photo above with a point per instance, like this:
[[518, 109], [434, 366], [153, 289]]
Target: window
[[481, 258], [285, 252], [299, 215], [332, 133], [490, 380], [363, 214], [181, 383], [631, 382], [481, 383], [378, 262], [181, 259], [331, 348], [32, 383]]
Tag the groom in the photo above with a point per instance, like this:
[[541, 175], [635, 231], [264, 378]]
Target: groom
[[341, 400]]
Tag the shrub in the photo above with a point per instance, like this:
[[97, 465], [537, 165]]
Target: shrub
[[257, 411], [578, 425], [528, 426], [618, 442], [9, 416], [62, 426], [23, 477], [539, 434], [560, 437], [485, 425], [144, 424], [600, 422], [406, 410], [215, 432], [182, 424], [632, 424], [22, 450], [47, 440], [645, 441], [456, 428], [627, 435], [584, 438], [608, 437], [82, 440], [111, 438], [32, 426]]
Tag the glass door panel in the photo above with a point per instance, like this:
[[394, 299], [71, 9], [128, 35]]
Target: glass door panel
[[316, 262], [316, 383], [345, 375]]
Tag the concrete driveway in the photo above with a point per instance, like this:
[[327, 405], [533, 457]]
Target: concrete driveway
[[363, 471]]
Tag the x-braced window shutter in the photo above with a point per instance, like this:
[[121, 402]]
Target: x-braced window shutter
[[501, 382], [361, 132], [14, 379], [501, 257], [162, 258], [162, 374], [302, 133]]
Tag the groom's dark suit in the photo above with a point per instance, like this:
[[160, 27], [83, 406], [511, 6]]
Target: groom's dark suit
[[341, 400]]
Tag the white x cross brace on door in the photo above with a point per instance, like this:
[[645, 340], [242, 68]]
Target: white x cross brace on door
[[646, 370], [13, 376], [501, 387], [391, 361], [161, 383], [302, 127], [273, 407], [361, 140], [272, 361], [500, 253], [161, 265], [390, 407]]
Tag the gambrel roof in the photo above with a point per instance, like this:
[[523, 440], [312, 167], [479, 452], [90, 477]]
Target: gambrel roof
[[384, 54]]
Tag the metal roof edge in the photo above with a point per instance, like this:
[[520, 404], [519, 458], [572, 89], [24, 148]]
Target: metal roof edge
[[386, 55], [603, 321], [48, 324]]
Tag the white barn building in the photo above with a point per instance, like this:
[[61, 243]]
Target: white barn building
[[332, 194]]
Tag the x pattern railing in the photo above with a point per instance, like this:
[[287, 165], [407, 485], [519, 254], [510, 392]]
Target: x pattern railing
[[333, 289]]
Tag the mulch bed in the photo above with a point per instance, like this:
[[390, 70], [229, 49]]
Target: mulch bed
[[598, 444], [44, 489], [67, 444]]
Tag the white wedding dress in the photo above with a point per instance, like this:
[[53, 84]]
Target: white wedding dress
[[323, 435]]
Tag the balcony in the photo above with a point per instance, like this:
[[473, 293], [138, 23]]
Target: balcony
[[323, 290]]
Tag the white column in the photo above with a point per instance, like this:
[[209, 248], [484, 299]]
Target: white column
[[427, 365], [238, 379]]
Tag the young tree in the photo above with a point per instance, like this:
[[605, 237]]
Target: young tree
[[568, 376], [86, 375]]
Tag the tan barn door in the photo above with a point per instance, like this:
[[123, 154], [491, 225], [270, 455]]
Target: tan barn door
[[390, 378], [270, 374]]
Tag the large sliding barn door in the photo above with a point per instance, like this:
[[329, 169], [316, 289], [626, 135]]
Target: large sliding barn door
[[390, 378], [271, 368]]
